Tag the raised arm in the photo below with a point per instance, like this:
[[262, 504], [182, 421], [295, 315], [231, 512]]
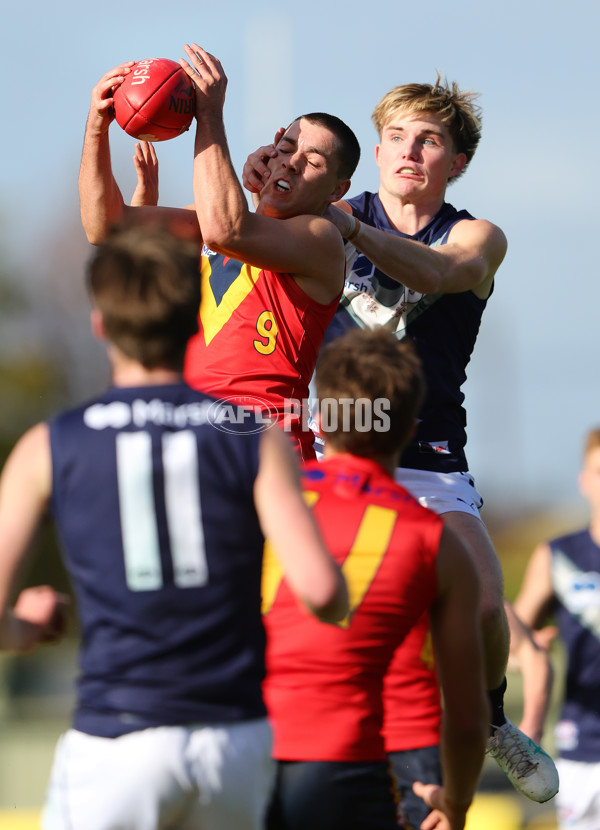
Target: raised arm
[[292, 532], [468, 261], [25, 485], [145, 161], [101, 201], [306, 246]]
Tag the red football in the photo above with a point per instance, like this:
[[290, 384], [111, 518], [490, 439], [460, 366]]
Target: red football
[[155, 101]]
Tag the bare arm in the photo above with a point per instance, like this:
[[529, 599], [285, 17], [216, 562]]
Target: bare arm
[[292, 532], [146, 169], [533, 663], [101, 201], [25, 487], [305, 246], [458, 649], [468, 261], [536, 596]]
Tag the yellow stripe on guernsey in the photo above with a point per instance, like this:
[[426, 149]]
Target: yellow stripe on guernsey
[[272, 572], [215, 314], [359, 567], [373, 538]]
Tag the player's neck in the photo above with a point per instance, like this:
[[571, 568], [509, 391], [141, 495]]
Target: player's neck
[[127, 372], [407, 215]]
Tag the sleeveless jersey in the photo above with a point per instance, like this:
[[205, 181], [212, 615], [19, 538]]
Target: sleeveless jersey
[[258, 342], [576, 583], [444, 328], [154, 508], [324, 683], [411, 697]]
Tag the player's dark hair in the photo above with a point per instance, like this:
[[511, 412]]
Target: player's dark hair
[[372, 364], [146, 283], [348, 146]]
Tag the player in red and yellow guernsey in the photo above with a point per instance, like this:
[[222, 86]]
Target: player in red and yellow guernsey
[[272, 277], [324, 685], [258, 340]]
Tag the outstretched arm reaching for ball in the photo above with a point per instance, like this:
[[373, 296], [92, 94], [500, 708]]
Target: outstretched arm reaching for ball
[[146, 169], [101, 201]]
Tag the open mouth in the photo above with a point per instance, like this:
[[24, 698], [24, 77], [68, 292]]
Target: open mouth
[[282, 186]]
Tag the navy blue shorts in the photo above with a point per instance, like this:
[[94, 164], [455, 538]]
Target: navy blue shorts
[[409, 766], [333, 795]]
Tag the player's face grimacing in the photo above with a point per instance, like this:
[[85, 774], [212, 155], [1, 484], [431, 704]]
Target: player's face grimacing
[[304, 175], [416, 155]]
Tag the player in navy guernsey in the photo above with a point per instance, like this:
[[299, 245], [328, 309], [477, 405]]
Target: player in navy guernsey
[[425, 270], [162, 497], [562, 580]]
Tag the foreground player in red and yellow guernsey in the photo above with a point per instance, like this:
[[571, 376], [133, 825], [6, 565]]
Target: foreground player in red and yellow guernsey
[[324, 685], [271, 279]]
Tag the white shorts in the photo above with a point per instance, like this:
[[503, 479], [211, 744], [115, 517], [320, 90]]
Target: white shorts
[[214, 777], [442, 492], [578, 799]]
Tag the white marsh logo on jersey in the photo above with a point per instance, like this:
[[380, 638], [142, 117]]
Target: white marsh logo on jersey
[[373, 299]]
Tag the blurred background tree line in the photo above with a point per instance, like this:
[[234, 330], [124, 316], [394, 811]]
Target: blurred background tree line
[[48, 360]]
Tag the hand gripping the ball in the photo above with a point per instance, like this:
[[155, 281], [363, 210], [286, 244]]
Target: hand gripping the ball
[[102, 111], [155, 102], [207, 75]]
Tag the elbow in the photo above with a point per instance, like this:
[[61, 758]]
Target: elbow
[[220, 236], [429, 284], [93, 237], [330, 603]]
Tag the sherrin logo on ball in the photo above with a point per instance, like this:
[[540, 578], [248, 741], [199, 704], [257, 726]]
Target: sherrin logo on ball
[[156, 100]]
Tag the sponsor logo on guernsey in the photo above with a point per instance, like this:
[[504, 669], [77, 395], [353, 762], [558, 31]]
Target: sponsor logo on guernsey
[[585, 590], [579, 591], [566, 735], [435, 447], [140, 413]]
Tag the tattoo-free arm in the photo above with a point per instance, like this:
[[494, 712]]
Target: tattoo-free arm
[[468, 261], [25, 486]]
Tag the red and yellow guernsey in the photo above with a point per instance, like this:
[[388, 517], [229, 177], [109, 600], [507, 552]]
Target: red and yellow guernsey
[[258, 341], [324, 683]]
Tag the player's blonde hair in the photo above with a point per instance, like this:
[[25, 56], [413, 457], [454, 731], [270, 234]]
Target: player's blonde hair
[[456, 108]]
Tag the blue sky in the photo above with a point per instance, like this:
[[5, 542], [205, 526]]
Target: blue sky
[[532, 388]]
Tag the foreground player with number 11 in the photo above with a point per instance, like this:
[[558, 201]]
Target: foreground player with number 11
[[161, 517]]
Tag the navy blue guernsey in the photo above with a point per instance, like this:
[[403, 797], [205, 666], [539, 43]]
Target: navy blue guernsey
[[154, 508], [444, 328], [576, 583]]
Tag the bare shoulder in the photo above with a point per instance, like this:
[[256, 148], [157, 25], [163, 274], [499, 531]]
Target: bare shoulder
[[481, 236], [31, 460], [33, 443]]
